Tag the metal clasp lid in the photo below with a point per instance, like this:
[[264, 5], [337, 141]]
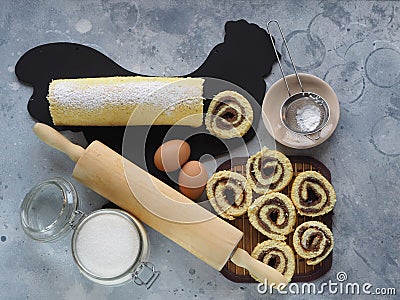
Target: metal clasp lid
[[145, 274], [78, 216]]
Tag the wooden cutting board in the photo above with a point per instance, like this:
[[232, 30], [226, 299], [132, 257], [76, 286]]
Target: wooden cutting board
[[303, 272]]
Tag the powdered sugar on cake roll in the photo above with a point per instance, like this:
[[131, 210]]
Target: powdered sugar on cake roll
[[73, 93], [90, 101]]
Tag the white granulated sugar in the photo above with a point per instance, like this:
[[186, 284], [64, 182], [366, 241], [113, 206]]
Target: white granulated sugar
[[308, 118], [107, 245], [90, 97]]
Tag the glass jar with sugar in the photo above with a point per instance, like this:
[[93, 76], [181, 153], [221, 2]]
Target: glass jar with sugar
[[109, 246]]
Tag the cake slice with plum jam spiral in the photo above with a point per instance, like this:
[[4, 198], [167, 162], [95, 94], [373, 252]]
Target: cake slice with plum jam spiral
[[229, 194], [313, 241], [312, 194], [268, 171], [274, 215], [229, 115], [276, 254]]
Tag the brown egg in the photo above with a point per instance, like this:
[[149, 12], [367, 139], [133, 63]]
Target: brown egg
[[192, 179], [171, 155]]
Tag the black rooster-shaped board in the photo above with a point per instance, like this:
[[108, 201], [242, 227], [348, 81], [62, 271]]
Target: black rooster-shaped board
[[244, 59]]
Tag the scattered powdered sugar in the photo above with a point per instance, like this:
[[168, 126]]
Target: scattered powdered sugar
[[308, 118], [107, 245], [83, 26], [14, 86]]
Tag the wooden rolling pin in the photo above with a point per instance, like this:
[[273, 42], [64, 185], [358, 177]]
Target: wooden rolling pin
[[109, 174]]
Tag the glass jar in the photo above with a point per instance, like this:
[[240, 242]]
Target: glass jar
[[109, 246]]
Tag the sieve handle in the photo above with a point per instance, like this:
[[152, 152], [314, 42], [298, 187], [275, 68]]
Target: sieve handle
[[277, 56], [314, 136]]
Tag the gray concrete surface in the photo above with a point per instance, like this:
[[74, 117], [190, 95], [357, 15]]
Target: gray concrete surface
[[355, 48]]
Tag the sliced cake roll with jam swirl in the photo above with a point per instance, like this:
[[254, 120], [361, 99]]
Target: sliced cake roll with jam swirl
[[276, 254], [268, 171], [229, 115], [312, 194], [229, 194], [313, 241], [274, 215]]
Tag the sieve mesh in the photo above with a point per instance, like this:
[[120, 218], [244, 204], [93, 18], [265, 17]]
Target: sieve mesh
[[305, 115]]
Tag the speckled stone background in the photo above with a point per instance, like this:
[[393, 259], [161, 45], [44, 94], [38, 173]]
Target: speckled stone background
[[353, 45]]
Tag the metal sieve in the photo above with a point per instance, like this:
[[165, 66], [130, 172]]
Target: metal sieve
[[304, 113]]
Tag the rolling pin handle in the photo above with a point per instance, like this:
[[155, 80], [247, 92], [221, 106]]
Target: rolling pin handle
[[56, 140], [263, 272]]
